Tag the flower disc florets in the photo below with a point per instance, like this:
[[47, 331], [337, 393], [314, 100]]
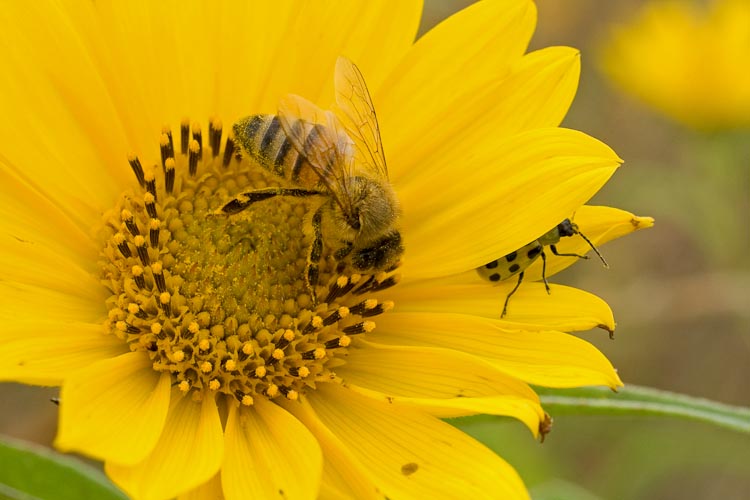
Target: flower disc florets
[[220, 302]]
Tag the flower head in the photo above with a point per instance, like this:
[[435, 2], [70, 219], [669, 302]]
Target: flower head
[[197, 355], [687, 61]]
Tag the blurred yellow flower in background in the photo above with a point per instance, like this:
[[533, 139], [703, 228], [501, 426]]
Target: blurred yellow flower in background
[[686, 59], [191, 358]]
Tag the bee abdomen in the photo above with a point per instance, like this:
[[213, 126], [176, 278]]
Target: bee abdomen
[[266, 142], [509, 265]]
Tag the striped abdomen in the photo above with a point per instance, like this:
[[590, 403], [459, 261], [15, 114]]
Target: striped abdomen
[[263, 138], [511, 264], [518, 261]]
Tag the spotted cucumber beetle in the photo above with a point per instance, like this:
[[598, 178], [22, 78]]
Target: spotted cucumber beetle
[[515, 263]]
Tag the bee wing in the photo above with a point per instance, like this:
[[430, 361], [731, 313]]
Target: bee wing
[[358, 114], [320, 138]]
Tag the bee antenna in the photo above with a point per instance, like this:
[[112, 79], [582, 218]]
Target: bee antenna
[[594, 249]]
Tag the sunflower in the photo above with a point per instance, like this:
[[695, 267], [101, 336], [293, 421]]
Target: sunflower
[[191, 356], [686, 60]]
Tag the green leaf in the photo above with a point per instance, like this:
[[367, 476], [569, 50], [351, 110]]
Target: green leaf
[[32, 472], [557, 489], [635, 400]]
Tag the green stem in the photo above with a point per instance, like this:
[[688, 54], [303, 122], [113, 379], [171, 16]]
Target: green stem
[[640, 401]]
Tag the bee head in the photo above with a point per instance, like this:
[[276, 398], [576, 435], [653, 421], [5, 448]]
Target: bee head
[[369, 229], [374, 210]]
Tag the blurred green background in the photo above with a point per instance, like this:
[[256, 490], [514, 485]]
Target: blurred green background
[[680, 293]]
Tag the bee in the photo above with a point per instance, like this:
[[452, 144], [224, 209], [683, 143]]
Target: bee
[[515, 263], [337, 159]]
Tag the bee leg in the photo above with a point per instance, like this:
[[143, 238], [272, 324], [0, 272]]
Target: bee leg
[[553, 248], [244, 200], [507, 299], [316, 252], [340, 254], [343, 251]]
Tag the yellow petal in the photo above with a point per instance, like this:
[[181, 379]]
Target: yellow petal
[[272, 50], [598, 224], [61, 130], [424, 372], [547, 358], [536, 93], [530, 308], [527, 411], [28, 214], [343, 476], [307, 39], [563, 308], [45, 257], [188, 453], [373, 35], [477, 45], [607, 223], [410, 454], [27, 263], [499, 197], [210, 490], [269, 453], [330, 492], [46, 352], [114, 409], [132, 67], [21, 304], [444, 382]]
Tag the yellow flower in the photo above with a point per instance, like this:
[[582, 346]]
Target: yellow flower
[[190, 356], [687, 61]]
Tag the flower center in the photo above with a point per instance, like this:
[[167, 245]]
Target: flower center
[[220, 302]]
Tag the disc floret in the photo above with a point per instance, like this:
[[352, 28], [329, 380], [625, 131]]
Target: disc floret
[[219, 302]]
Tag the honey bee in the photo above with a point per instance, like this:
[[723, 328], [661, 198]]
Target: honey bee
[[337, 159], [515, 263]]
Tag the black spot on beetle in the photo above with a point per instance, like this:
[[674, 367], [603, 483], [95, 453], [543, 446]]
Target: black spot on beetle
[[491, 265], [494, 277], [514, 268], [511, 256]]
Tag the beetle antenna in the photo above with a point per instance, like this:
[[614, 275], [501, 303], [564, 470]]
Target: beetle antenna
[[594, 249]]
